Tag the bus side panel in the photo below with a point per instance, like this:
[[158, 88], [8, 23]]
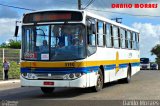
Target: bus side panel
[[80, 82], [93, 69], [122, 73], [106, 76], [93, 78], [104, 55], [135, 69]]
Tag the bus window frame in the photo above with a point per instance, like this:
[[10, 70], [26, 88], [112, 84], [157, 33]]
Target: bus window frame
[[110, 32], [116, 36], [123, 39], [134, 41], [87, 35], [129, 40], [98, 34], [112, 38], [87, 39], [137, 41]]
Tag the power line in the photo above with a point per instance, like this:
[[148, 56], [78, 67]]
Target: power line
[[124, 13], [22, 8], [91, 2], [67, 2]]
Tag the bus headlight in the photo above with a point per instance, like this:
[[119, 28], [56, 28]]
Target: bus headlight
[[75, 75], [23, 74], [29, 75], [78, 75], [72, 76]]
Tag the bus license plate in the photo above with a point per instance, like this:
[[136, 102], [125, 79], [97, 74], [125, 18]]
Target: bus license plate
[[48, 83]]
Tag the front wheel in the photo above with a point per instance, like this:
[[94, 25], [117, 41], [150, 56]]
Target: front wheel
[[47, 90], [99, 84]]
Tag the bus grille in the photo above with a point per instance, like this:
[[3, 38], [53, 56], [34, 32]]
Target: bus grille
[[50, 76]]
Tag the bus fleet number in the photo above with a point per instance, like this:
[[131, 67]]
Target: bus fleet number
[[69, 64]]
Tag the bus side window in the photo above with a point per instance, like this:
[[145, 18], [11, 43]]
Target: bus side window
[[108, 35], [100, 33], [134, 40], [91, 36], [129, 39], [115, 37], [123, 39], [137, 41], [92, 40]]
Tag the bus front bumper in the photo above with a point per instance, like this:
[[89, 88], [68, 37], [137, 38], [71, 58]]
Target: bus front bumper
[[79, 82]]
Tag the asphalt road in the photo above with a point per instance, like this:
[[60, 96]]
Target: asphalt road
[[145, 85]]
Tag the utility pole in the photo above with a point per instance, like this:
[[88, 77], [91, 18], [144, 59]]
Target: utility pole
[[79, 4], [118, 20]]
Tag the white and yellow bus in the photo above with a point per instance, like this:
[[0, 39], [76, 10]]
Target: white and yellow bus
[[75, 48]]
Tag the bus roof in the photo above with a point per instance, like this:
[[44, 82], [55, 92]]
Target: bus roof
[[94, 16]]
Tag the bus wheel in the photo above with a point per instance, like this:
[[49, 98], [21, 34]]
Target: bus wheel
[[99, 85], [47, 90], [128, 79]]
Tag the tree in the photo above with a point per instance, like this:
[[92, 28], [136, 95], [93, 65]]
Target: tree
[[3, 45], [156, 51], [12, 44]]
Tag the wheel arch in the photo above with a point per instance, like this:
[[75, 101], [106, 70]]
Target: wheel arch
[[102, 69], [130, 67]]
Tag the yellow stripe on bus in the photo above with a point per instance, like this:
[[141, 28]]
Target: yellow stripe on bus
[[76, 64]]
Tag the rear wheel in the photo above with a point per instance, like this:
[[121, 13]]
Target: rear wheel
[[99, 84], [128, 79], [47, 90]]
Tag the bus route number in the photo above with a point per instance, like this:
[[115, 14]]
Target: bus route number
[[69, 64]]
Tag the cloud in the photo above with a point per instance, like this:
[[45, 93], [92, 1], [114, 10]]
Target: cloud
[[7, 29], [149, 36], [105, 5], [6, 12], [45, 4], [72, 4]]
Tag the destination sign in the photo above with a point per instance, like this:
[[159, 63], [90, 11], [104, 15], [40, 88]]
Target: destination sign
[[52, 16]]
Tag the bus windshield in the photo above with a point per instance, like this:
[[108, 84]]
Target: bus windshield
[[144, 60], [54, 42]]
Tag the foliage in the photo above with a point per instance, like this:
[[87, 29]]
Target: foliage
[[12, 44], [14, 71], [3, 45], [156, 51]]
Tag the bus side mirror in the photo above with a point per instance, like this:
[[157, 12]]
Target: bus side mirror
[[93, 28], [16, 31]]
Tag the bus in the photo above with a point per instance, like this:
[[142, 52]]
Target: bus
[[144, 64], [76, 48]]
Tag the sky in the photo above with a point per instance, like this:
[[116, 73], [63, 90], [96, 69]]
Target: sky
[[149, 27]]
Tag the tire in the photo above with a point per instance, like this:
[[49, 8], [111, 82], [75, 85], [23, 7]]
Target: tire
[[99, 84], [128, 79], [47, 90]]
